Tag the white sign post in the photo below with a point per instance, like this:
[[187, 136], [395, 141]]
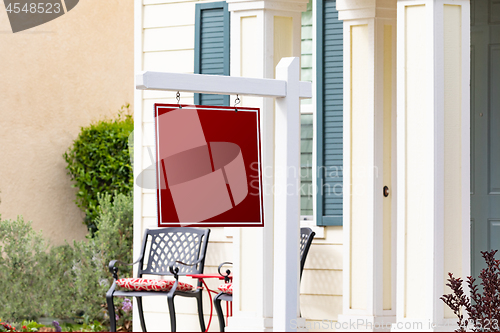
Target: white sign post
[[288, 90]]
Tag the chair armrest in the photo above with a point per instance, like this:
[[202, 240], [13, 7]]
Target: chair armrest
[[175, 270], [114, 270], [226, 277]]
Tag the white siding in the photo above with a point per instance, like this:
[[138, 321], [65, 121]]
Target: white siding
[[321, 286]]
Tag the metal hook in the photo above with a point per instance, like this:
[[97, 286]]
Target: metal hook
[[178, 97], [236, 102]]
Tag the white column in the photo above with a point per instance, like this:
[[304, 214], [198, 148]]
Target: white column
[[287, 200], [262, 32], [369, 163], [433, 157]]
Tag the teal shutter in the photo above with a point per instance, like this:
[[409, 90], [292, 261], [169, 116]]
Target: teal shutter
[[211, 50], [329, 114]]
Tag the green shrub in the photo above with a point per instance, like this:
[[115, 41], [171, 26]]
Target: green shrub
[[99, 162], [22, 258], [115, 234], [113, 240], [64, 281]]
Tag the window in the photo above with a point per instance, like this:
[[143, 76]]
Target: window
[[306, 165], [306, 127], [211, 51]]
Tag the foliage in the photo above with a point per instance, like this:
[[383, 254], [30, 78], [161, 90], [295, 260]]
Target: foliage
[[482, 307], [99, 162], [5, 327], [123, 316], [30, 326], [113, 240], [64, 281], [23, 258], [115, 236], [95, 326]]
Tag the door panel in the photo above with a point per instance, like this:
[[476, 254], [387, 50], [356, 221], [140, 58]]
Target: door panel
[[494, 231], [485, 130], [494, 119]]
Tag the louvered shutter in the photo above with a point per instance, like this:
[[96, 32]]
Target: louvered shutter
[[211, 52], [329, 114]]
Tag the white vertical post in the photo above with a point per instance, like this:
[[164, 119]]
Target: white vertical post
[[286, 199], [369, 151], [433, 60]]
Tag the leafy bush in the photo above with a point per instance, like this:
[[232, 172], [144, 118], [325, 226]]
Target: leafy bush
[[22, 259], [64, 281], [482, 307], [113, 240], [99, 162]]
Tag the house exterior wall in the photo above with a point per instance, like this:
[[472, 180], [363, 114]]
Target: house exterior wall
[[58, 77], [432, 204], [164, 41]]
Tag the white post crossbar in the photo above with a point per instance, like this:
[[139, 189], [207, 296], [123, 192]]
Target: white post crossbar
[[217, 84], [288, 90]]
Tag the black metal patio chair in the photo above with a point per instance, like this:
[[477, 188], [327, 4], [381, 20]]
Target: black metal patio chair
[[226, 294], [172, 252]]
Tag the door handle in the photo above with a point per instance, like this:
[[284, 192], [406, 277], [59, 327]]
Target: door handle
[[386, 191]]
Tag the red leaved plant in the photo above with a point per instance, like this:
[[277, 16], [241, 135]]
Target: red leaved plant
[[482, 307]]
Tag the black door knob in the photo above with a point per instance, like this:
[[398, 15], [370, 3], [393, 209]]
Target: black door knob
[[386, 191]]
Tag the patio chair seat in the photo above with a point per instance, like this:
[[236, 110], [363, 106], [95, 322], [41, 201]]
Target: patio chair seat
[[137, 284], [226, 288], [165, 252]]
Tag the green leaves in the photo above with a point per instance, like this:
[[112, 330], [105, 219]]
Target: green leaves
[[22, 254], [99, 162], [64, 281]]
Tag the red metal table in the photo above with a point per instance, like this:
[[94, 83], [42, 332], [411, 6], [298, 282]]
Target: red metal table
[[202, 277]]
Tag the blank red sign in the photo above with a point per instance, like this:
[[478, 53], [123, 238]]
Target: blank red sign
[[208, 166]]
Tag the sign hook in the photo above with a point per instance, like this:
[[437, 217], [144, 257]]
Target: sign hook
[[178, 97], [236, 102]]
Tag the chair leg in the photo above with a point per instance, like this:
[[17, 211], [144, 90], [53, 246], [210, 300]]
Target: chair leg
[[141, 313], [111, 313], [218, 309], [171, 310], [199, 299]]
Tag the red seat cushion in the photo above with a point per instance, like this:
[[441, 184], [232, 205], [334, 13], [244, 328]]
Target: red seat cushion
[[137, 284], [226, 288]]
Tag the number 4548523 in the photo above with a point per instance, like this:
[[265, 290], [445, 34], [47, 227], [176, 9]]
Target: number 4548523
[[34, 8]]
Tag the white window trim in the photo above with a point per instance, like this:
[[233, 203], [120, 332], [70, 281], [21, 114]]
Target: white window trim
[[309, 220]]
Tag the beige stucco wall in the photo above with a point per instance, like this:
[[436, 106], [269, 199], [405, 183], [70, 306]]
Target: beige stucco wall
[[55, 78]]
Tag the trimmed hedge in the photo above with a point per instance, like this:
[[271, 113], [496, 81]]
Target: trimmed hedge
[[99, 162]]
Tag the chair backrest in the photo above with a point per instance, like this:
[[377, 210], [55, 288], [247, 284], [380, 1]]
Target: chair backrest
[[306, 238], [163, 246]]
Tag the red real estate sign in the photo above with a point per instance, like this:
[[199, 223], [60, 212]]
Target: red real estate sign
[[208, 166]]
